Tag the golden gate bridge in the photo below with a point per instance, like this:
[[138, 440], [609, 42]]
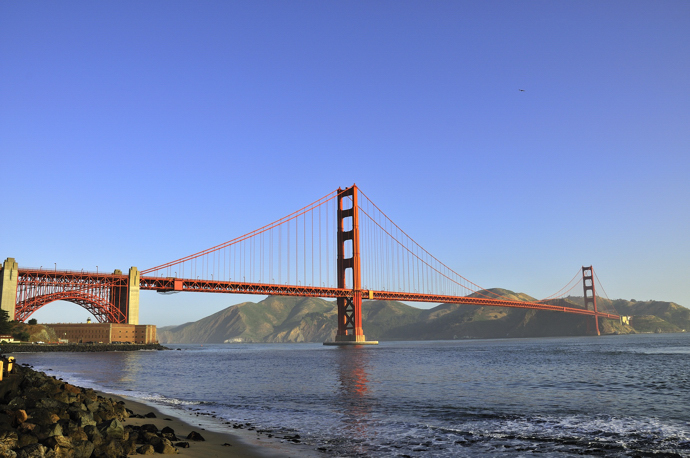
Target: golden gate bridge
[[340, 246]]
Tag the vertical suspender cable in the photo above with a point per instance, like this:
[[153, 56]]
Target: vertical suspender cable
[[320, 282]]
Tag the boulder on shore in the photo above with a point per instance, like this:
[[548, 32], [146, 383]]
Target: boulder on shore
[[43, 416]]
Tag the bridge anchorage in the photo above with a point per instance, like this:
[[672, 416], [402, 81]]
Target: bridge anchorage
[[367, 257]]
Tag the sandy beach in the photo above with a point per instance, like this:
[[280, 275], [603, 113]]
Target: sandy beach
[[234, 443], [46, 406]]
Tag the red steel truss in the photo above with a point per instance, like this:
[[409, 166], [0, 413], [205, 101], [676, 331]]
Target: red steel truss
[[206, 286], [103, 295], [210, 286], [434, 298]]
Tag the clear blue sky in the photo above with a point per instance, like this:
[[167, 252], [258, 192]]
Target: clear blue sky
[[137, 132]]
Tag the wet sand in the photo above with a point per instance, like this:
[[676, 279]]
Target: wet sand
[[234, 443]]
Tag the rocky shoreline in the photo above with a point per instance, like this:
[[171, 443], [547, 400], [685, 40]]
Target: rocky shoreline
[[45, 417], [38, 348]]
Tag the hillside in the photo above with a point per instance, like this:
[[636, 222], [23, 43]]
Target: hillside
[[285, 319], [294, 319]]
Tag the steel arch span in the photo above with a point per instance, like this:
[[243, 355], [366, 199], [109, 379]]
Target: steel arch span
[[102, 310], [103, 295]]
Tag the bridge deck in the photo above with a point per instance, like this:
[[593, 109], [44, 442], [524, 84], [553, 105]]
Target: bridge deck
[[207, 286]]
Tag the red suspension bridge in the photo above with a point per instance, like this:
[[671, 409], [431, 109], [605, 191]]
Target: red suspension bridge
[[340, 246]]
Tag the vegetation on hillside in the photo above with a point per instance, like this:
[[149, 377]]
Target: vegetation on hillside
[[294, 319], [23, 332]]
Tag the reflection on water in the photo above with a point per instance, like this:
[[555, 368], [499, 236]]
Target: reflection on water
[[129, 366], [353, 367], [119, 368]]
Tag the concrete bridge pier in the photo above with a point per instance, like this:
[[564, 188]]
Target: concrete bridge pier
[[8, 286], [133, 296], [126, 298]]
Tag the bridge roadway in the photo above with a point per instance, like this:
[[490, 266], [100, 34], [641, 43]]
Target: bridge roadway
[[209, 286], [48, 285]]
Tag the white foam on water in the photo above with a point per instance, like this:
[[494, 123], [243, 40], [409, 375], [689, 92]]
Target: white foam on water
[[577, 433]]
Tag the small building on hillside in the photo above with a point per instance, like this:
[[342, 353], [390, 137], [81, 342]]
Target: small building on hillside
[[105, 333], [6, 339]]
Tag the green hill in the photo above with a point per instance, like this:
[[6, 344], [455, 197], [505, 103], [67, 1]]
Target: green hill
[[295, 319]]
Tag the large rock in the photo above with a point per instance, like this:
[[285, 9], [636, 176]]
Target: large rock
[[110, 449], [82, 418], [49, 431], [92, 405], [146, 449], [120, 411], [10, 386], [27, 427], [17, 402], [71, 388], [7, 452], [149, 427], [8, 438], [169, 433], [73, 431], [150, 438], [112, 429], [195, 436], [60, 446], [83, 449], [94, 435], [32, 451], [26, 439], [165, 447], [20, 416], [51, 404], [105, 414], [129, 447], [44, 417]]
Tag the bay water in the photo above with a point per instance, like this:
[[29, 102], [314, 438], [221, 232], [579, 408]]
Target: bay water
[[608, 396]]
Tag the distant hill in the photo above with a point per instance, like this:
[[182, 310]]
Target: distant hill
[[295, 319], [654, 316], [275, 319]]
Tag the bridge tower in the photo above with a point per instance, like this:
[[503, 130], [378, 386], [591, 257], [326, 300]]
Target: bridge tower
[[349, 308], [590, 294]]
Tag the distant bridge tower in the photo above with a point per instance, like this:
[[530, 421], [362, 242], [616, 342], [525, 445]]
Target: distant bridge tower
[[590, 294], [349, 308]]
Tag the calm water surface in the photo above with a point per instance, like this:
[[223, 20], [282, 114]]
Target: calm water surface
[[608, 396]]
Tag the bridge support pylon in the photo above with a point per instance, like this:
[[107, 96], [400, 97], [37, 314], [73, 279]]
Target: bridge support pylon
[[8, 286], [126, 298], [590, 295], [349, 308]]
